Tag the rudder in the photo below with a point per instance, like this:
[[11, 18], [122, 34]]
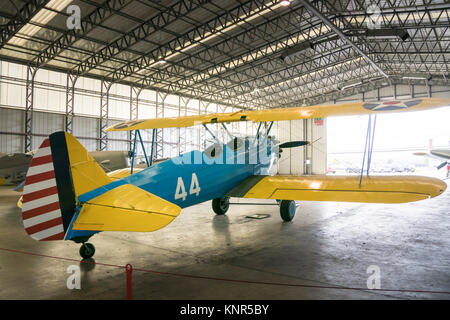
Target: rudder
[[59, 172]]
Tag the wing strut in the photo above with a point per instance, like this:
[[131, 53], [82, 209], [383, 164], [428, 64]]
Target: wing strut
[[257, 133], [212, 134], [368, 148], [138, 133]]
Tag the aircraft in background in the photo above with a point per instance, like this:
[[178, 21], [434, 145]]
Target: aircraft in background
[[67, 196], [14, 166], [440, 154]]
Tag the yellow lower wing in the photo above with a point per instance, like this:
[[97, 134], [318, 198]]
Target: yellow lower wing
[[126, 208], [374, 189]]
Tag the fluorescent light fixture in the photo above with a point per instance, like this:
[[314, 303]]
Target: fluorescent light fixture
[[285, 3], [229, 25], [349, 84], [296, 50], [417, 76], [387, 34]]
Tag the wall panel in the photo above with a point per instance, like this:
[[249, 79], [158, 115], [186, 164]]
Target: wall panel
[[88, 128], [11, 121]]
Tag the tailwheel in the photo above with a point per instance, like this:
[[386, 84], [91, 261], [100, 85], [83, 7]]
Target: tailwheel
[[221, 205], [87, 250], [287, 210]]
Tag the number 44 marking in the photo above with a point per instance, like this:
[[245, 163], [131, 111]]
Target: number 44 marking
[[180, 192]]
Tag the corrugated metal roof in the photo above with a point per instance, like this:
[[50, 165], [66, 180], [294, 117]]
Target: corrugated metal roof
[[230, 51]]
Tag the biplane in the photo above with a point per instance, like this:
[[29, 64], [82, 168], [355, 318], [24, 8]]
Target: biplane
[[67, 196], [440, 154]]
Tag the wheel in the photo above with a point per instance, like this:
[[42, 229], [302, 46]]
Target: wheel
[[221, 205], [287, 210], [87, 250]]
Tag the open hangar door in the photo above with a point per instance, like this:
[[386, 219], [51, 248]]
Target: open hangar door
[[402, 141], [311, 159]]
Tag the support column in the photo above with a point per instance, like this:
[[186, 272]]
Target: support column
[[104, 114], [29, 104], [202, 107], [235, 126], [70, 95], [220, 132], [182, 111], [307, 152], [159, 139], [255, 125], [134, 111]]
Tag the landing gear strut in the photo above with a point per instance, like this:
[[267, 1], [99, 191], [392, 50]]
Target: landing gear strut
[[221, 205], [287, 210], [87, 250]]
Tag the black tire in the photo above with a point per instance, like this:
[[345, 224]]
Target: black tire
[[221, 205], [87, 250], [287, 210]]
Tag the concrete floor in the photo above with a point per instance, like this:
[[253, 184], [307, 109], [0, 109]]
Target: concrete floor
[[327, 244]]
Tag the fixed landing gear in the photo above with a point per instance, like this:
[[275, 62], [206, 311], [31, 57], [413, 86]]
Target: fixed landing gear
[[287, 209], [87, 250], [221, 205]]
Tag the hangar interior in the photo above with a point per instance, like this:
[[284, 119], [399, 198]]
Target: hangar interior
[[139, 59]]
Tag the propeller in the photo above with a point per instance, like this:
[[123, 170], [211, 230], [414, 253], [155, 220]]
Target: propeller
[[443, 164], [293, 144]]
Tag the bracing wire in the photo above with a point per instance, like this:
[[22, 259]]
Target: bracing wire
[[368, 148]]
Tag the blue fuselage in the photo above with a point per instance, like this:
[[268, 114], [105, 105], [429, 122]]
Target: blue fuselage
[[196, 176], [214, 180]]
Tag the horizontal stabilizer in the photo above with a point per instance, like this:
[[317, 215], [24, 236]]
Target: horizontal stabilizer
[[373, 189], [126, 208]]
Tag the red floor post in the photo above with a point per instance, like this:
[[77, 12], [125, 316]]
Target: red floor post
[[129, 271]]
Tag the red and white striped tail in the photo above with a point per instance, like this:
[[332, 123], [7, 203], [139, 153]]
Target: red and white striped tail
[[41, 214]]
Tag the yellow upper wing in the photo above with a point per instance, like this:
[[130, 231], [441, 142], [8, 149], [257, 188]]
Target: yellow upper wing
[[277, 114], [373, 189]]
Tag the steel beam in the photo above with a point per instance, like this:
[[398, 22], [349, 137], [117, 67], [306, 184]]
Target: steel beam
[[159, 133], [134, 111], [70, 100], [29, 106], [202, 109], [137, 34], [25, 14], [88, 23], [181, 132], [333, 27], [104, 114]]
